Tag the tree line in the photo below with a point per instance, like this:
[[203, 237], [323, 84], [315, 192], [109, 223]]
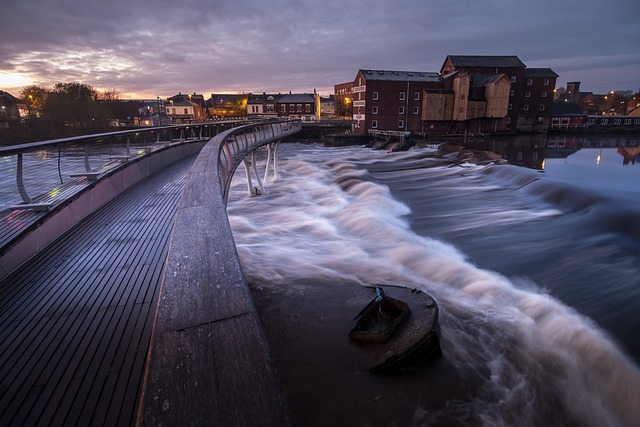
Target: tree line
[[72, 105]]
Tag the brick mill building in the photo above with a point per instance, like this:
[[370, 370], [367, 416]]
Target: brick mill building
[[476, 94]]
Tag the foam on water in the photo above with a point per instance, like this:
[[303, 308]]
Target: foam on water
[[536, 360]]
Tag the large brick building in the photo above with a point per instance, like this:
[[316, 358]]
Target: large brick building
[[479, 94]]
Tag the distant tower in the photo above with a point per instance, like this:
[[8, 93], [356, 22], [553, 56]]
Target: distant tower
[[573, 92]]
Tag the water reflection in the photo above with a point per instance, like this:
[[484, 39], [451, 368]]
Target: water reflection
[[530, 151]]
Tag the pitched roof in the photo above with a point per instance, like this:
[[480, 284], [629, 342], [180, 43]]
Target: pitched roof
[[539, 72], [401, 76], [510, 61], [296, 98], [9, 97]]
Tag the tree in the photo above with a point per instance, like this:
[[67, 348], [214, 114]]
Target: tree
[[75, 105], [34, 97]]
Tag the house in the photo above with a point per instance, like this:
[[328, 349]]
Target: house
[[222, 105], [12, 109], [327, 106], [302, 106], [262, 105], [530, 94], [390, 100], [185, 108]]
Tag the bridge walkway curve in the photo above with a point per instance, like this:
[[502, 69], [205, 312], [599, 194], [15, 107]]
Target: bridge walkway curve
[[98, 328]]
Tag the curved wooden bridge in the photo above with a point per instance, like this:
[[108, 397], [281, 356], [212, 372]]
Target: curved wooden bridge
[[123, 301]]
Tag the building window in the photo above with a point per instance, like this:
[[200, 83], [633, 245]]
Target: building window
[[299, 108], [270, 108], [525, 107], [374, 124], [591, 121], [541, 107], [627, 121], [186, 111], [527, 94], [510, 106], [374, 109], [512, 92], [375, 96], [283, 109], [416, 110], [636, 121], [400, 123], [555, 121], [307, 108], [543, 94], [529, 82], [513, 79], [402, 96], [416, 96], [401, 110], [604, 121], [508, 120], [616, 121], [545, 82]]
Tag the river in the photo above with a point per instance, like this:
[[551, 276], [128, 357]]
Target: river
[[534, 266]]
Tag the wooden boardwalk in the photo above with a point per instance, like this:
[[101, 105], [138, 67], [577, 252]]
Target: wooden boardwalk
[[75, 322]]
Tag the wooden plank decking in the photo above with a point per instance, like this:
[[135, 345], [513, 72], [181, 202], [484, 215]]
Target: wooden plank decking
[[75, 322]]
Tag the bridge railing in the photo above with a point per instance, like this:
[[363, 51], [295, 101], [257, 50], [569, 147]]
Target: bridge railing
[[209, 361], [85, 156], [237, 143]]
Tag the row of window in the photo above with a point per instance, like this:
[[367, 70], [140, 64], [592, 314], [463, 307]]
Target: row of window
[[416, 110], [602, 121], [283, 108], [525, 107], [402, 96]]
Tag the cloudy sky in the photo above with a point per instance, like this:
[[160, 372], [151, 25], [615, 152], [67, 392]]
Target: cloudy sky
[[144, 49]]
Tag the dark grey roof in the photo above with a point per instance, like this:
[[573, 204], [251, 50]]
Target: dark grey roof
[[402, 76], [296, 98], [539, 72], [485, 61], [259, 98], [9, 97]]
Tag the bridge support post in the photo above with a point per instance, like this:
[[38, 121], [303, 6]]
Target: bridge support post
[[272, 155], [249, 166]]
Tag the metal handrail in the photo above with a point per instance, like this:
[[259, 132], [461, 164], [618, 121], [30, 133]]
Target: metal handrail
[[163, 136], [234, 145]]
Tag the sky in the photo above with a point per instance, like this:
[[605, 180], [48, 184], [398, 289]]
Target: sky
[[145, 49]]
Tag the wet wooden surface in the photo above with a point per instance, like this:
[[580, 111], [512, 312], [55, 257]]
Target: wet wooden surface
[[75, 322]]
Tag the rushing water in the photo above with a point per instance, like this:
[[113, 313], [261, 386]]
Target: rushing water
[[536, 274]]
